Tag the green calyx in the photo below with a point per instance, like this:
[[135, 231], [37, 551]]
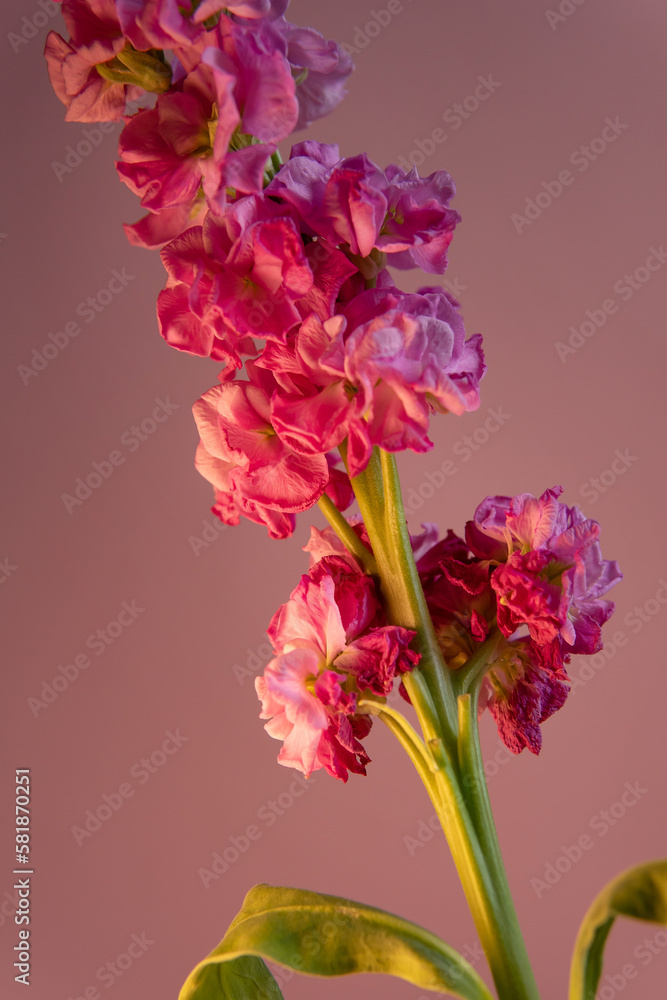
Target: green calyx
[[137, 69]]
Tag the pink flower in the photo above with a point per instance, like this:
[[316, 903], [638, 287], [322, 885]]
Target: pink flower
[[327, 543], [96, 38], [329, 647], [243, 275], [341, 200], [253, 472], [179, 152], [374, 375]]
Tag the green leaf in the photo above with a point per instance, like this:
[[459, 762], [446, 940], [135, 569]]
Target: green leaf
[[245, 978], [639, 893], [330, 936]]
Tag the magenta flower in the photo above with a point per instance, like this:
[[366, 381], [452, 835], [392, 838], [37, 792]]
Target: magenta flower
[[158, 24], [419, 225], [253, 472], [374, 375], [523, 689], [341, 200], [554, 577], [534, 567], [242, 8], [245, 274], [330, 645], [177, 153]]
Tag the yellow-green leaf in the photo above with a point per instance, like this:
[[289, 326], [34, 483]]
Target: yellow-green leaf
[[639, 893], [330, 936]]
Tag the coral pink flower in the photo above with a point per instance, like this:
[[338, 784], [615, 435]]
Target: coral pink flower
[[96, 37], [251, 469], [329, 646]]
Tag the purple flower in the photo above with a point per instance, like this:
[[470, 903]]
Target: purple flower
[[352, 202]]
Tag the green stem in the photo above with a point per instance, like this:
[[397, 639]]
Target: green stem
[[466, 677], [485, 885], [347, 535], [473, 779], [378, 494]]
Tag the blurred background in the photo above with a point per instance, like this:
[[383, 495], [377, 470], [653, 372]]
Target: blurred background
[[151, 619]]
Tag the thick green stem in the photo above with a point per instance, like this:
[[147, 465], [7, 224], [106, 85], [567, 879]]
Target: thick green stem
[[378, 493]]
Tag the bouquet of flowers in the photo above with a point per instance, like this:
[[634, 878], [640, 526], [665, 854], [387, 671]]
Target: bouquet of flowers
[[284, 274]]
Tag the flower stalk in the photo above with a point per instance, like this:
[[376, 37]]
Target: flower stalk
[[450, 761]]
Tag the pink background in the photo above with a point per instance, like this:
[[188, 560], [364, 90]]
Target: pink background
[[204, 613]]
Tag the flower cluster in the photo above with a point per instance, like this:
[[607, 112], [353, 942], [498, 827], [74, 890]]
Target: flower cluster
[[232, 81], [533, 567], [346, 359], [332, 644], [281, 268]]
